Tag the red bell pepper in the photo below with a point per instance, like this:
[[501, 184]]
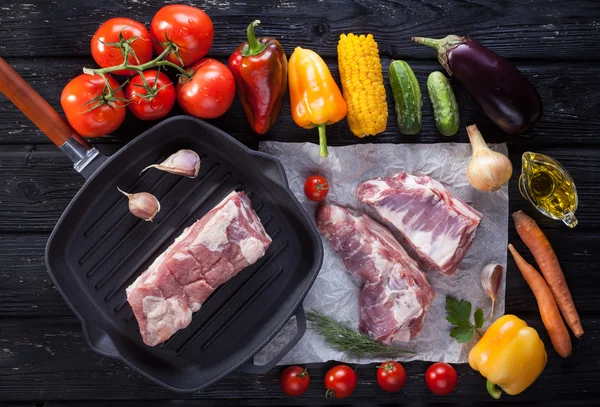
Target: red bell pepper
[[259, 67]]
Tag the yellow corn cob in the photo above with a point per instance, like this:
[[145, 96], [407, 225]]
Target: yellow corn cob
[[362, 84]]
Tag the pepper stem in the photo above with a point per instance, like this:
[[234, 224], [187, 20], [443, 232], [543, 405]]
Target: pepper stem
[[491, 388], [254, 47], [322, 141]]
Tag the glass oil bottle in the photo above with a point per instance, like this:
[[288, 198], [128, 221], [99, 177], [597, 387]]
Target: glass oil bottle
[[548, 186]]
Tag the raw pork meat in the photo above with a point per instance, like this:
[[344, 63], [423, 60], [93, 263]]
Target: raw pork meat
[[437, 225], [396, 295], [207, 254]]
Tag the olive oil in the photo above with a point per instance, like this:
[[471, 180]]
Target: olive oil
[[549, 187]]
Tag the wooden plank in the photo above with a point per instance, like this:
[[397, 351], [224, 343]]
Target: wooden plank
[[569, 92], [28, 292], [535, 29], [38, 182], [315, 401], [26, 288], [48, 359]]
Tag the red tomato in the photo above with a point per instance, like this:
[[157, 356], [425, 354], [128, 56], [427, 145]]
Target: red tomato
[[316, 188], [106, 51], [82, 94], [340, 382], [153, 101], [391, 376], [190, 28], [294, 380], [210, 91], [441, 378]]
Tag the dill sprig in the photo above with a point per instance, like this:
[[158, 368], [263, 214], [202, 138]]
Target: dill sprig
[[342, 338]]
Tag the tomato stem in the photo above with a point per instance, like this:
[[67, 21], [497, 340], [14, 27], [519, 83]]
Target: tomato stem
[[387, 366], [329, 393], [175, 66], [109, 93], [158, 61]]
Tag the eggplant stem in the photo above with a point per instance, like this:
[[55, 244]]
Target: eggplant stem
[[430, 42]]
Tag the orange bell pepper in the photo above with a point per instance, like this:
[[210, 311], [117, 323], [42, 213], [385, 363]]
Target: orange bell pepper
[[315, 98]]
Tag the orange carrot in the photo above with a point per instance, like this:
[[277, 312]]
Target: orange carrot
[[559, 335], [538, 244]]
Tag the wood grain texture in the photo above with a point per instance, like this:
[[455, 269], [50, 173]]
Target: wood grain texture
[[37, 109], [44, 359], [27, 290], [39, 182], [534, 29], [569, 91]]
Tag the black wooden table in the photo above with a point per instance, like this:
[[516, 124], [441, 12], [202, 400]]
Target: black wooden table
[[44, 359]]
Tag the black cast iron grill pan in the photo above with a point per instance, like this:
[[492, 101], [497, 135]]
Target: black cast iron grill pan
[[98, 248]]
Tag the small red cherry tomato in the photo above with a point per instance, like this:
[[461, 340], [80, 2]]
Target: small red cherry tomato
[[88, 107], [210, 90], [316, 188], [441, 378], [294, 380], [340, 382], [391, 376], [114, 33], [189, 28], [153, 99]]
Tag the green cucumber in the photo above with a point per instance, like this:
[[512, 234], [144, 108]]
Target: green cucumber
[[445, 108], [407, 96]]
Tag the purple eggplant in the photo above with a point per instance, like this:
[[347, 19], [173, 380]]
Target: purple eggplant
[[503, 92]]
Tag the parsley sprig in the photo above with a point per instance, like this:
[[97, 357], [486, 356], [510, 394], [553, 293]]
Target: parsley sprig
[[459, 315]]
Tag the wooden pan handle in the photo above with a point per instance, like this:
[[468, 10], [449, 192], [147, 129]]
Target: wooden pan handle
[[35, 107]]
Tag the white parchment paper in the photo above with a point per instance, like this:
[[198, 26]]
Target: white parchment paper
[[335, 291]]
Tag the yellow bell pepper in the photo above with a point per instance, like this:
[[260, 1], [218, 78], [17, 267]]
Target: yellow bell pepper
[[315, 98], [510, 354]]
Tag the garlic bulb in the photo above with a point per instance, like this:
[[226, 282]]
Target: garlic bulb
[[183, 162], [144, 205], [488, 170], [491, 277]]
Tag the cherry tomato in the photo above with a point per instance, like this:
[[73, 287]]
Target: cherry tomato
[[210, 91], [87, 109], [106, 51], [441, 378], [340, 382], [391, 376], [151, 100], [294, 380], [189, 28], [316, 188]]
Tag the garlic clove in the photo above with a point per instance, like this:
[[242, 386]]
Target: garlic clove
[[488, 170], [491, 278], [144, 205], [183, 162]]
